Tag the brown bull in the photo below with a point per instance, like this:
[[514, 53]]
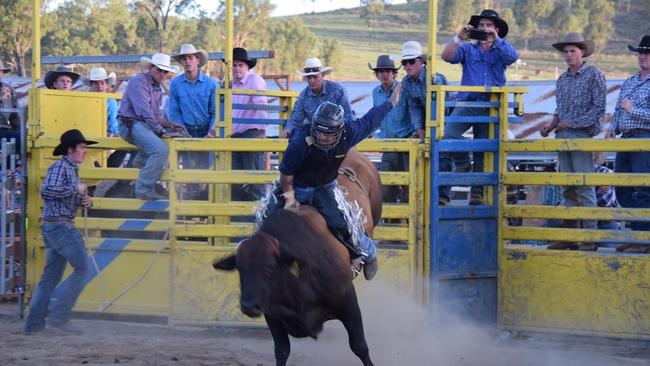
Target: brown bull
[[296, 273]]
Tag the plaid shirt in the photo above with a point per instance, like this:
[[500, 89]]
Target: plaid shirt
[[581, 98], [608, 197], [415, 94], [638, 91], [60, 190]]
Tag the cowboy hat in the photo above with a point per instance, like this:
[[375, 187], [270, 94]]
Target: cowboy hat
[[4, 67], [68, 139], [162, 61], [644, 45], [241, 54], [576, 39], [494, 16], [313, 66], [97, 74], [384, 62], [189, 49], [410, 50], [52, 75]]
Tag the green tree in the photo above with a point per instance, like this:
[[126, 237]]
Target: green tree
[[600, 24], [513, 28], [569, 17], [529, 13], [162, 11], [15, 38], [292, 41], [250, 17], [332, 53], [456, 14]]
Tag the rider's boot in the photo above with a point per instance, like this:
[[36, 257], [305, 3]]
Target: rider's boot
[[370, 259]]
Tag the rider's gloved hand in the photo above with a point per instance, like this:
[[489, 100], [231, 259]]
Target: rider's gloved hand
[[289, 199]]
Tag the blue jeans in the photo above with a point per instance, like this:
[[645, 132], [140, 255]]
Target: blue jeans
[[248, 161], [151, 158], [455, 131], [577, 162], [63, 243], [322, 199], [634, 197]]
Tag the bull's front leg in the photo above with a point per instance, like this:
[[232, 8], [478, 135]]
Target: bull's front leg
[[350, 315], [281, 343]]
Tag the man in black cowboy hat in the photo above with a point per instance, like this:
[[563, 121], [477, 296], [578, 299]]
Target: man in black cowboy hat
[[484, 64], [244, 78], [61, 78], [632, 120], [397, 124], [62, 194]]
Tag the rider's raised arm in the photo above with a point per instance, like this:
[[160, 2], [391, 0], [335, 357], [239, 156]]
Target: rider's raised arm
[[360, 129]]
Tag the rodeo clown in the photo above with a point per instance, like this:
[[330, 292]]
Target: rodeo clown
[[311, 164]]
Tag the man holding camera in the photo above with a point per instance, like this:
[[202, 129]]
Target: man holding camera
[[484, 62]]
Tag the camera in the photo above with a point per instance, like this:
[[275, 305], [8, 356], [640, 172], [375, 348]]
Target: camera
[[477, 34]]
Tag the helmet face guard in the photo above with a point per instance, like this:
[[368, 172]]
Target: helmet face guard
[[327, 126]]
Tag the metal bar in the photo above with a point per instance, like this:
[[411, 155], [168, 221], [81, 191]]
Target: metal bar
[[468, 104], [467, 276], [573, 213], [463, 119], [256, 107], [577, 179], [474, 145], [264, 93], [544, 145], [467, 179], [3, 215], [576, 235], [467, 212], [259, 121], [36, 42], [114, 59]]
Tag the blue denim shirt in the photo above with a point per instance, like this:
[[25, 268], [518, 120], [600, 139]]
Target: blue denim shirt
[[111, 116], [308, 102], [397, 123], [483, 69], [193, 103], [415, 94]]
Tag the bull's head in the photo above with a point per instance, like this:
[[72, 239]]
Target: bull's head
[[257, 259]]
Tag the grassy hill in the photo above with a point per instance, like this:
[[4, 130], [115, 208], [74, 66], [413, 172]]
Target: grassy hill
[[363, 40]]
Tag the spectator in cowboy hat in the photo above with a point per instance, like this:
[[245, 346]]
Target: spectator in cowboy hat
[[484, 63], [61, 78], [318, 90], [141, 123], [244, 78], [4, 69], [396, 124], [62, 193], [9, 121], [632, 121], [99, 82], [581, 94]]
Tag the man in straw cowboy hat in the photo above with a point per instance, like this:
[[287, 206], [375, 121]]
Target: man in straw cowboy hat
[[99, 82], [580, 98], [632, 121], [397, 124], [192, 94], [318, 90], [61, 78], [484, 63], [142, 124], [62, 194]]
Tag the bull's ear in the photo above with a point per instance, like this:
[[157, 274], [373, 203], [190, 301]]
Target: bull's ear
[[225, 264]]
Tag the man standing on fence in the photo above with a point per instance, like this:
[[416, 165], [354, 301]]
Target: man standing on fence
[[318, 90], [632, 121], [397, 124], [580, 98], [99, 81], [62, 193], [244, 78], [142, 125], [484, 63]]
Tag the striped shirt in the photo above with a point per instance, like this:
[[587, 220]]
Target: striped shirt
[[638, 91], [60, 190]]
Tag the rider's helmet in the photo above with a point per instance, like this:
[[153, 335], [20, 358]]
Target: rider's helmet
[[327, 125]]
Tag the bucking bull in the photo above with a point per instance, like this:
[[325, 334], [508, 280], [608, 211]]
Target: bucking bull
[[298, 275]]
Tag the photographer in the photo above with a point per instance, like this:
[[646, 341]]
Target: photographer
[[484, 63]]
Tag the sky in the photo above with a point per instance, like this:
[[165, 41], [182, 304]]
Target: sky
[[283, 7]]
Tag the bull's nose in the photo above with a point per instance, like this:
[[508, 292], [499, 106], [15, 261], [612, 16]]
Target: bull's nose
[[251, 308]]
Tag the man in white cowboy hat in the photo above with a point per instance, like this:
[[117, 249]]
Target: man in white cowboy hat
[[581, 97], [192, 94], [632, 121], [318, 90], [61, 78], [141, 123], [62, 193], [484, 63], [397, 124], [99, 82], [244, 78]]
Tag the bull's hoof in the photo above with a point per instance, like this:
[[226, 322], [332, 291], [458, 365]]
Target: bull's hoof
[[370, 269]]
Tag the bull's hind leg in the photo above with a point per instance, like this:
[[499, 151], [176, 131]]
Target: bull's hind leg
[[281, 343], [351, 318]]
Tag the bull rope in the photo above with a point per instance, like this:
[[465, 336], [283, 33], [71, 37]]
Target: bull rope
[[352, 176]]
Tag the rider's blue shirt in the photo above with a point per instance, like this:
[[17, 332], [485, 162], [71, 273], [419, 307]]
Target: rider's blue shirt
[[311, 166]]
